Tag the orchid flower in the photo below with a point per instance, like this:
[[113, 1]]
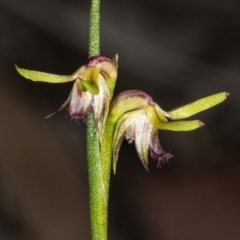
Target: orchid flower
[[92, 89], [138, 118]]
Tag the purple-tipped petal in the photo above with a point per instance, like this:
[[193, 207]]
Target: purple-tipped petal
[[156, 152]]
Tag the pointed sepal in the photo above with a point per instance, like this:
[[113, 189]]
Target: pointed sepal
[[180, 126], [44, 77], [197, 106]]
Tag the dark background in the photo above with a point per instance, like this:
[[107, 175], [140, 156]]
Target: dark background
[[178, 52]]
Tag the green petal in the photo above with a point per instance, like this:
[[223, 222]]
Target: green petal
[[155, 117], [160, 113], [91, 74], [90, 87], [108, 69], [43, 77], [180, 125], [128, 101], [197, 106], [89, 81]]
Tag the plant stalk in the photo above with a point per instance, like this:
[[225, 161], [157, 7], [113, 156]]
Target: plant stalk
[[98, 197]]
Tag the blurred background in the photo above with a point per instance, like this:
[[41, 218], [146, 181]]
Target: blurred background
[[178, 52]]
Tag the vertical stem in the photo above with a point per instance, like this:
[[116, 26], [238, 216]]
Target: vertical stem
[[106, 153], [97, 192], [94, 28]]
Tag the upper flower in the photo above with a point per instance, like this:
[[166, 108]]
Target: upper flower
[[138, 118], [92, 89]]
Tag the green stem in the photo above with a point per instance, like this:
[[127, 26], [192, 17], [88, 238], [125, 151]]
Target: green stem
[[94, 29], [98, 196], [106, 153], [99, 178], [97, 192]]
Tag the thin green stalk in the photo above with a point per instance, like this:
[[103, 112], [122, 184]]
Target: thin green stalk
[[106, 154], [94, 28], [97, 191], [97, 198]]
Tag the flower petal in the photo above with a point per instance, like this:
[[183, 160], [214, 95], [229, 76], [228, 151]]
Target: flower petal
[[80, 102], [100, 105], [44, 77], [90, 87], [156, 151], [143, 131], [107, 68], [160, 113], [180, 125], [197, 106], [89, 80], [125, 128], [128, 101]]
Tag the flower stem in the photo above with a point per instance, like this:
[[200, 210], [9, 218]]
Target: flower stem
[[97, 192], [94, 29]]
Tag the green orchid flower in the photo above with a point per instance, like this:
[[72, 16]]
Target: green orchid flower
[[92, 89], [138, 118]]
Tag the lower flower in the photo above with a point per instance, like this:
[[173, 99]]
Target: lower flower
[[138, 118]]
